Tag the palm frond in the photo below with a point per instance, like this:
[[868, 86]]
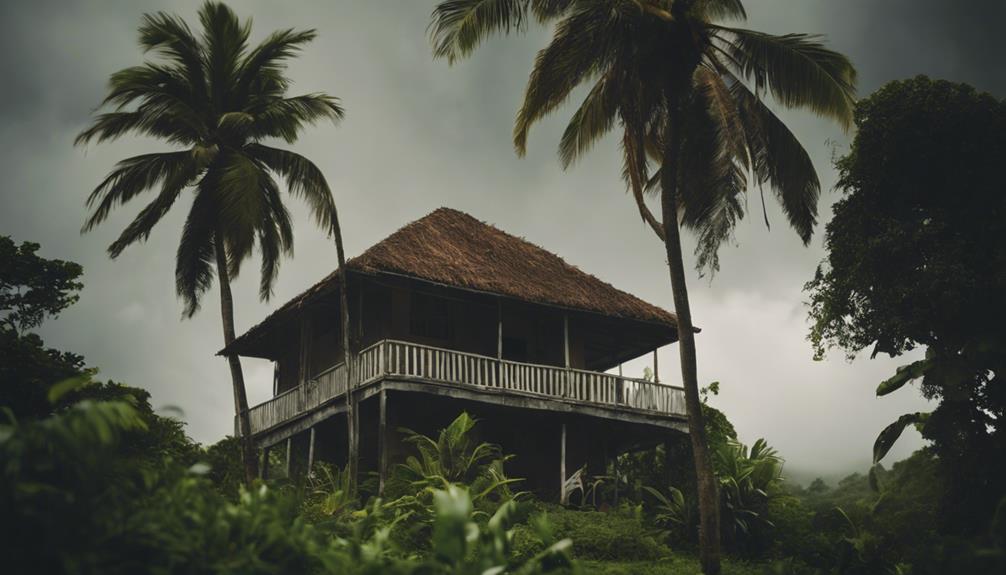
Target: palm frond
[[712, 183], [303, 179], [139, 229], [130, 178], [286, 117], [170, 37], [225, 39], [240, 205], [779, 160], [196, 253], [796, 68], [592, 120], [268, 59], [275, 237], [724, 112], [457, 27], [545, 10], [584, 42], [720, 10], [111, 126]]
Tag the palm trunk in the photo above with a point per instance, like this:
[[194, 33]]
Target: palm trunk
[[709, 520], [351, 411], [248, 457]]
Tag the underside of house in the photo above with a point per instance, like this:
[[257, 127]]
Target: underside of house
[[450, 314]]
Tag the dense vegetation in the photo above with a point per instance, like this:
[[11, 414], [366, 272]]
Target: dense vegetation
[[93, 480]]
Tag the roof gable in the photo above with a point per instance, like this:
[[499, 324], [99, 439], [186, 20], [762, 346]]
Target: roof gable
[[455, 249]]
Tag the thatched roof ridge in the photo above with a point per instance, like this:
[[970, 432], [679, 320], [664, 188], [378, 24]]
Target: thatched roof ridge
[[452, 248]]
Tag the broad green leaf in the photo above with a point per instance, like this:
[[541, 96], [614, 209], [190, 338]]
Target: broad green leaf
[[891, 433]]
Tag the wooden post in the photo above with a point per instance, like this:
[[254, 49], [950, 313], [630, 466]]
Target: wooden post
[[565, 337], [289, 449], [562, 464], [619, 392], [656, 371], [565, 353], [354, 440], [275, 378], [310, 453], [382, 441], [302, 374]]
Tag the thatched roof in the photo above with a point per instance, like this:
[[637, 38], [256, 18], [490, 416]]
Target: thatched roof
[[452, 248]]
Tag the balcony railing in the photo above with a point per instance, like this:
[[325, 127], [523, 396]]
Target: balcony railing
[[391, 358]]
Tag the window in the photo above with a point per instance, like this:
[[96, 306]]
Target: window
[[429, 317]]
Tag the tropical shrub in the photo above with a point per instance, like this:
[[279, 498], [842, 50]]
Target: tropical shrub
[[619, 534], [454, 457], [748, 481]]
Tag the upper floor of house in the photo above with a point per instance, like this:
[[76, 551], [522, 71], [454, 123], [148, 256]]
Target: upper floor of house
[[450, 300]]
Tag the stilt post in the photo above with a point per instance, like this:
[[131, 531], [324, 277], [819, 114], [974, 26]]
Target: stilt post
[[382, 441], [289, 452], [562, 464], [310, 452], [656, 368]]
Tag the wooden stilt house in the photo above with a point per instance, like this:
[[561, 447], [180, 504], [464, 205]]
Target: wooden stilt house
[[451, 314]]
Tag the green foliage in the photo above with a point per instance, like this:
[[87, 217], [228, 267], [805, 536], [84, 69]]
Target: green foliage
[[78, 496], [671, 510], [33, 288], [748, 481], [455, 456], [224, 460], [330, 496], [463, 546], [916, 259], [614, 535]]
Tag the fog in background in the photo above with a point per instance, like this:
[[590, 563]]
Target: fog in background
[[420, 134]]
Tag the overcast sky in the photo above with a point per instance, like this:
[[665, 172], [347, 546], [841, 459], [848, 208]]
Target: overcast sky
[[420, 134]]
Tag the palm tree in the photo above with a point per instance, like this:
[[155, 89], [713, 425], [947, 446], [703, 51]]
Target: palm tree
[[686, 92], [215, 100]]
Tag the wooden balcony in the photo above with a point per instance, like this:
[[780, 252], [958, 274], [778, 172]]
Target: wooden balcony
[[399, 360]]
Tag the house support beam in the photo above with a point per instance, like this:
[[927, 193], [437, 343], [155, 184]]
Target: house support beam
[[382, 441], [562, 464], [565, 338], [656, 368], [310, 452], [289, 452]]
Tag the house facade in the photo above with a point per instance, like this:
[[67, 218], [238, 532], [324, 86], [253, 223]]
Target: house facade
[[450, 314]]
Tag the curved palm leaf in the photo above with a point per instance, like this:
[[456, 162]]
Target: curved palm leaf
[[797, 68]]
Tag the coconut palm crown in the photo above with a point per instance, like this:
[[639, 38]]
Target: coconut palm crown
[[217, 100], [636, 56]]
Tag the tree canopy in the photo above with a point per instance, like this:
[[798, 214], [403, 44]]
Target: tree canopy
[[917, 258], [32, 287]]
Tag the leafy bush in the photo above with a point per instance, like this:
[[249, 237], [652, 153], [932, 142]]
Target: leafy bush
[[612, 535], [73, 499]]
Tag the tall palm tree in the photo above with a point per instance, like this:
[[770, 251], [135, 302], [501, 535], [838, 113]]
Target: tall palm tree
[[686, 92], [215, 99]]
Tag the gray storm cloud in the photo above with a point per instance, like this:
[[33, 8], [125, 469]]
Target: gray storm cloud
[[420, 134]]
